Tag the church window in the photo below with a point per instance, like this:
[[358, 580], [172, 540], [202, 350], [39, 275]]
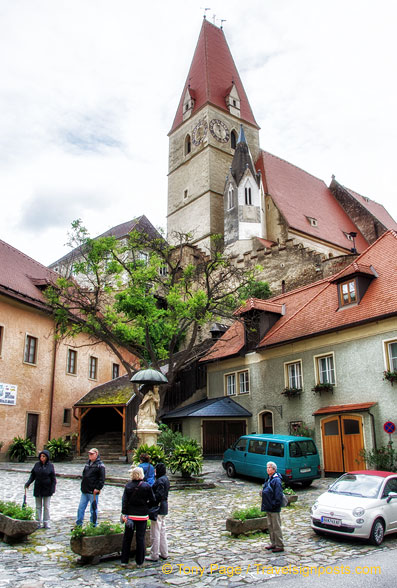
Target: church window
[[230, 198], [233, 139], [188, 145], [248, 196]]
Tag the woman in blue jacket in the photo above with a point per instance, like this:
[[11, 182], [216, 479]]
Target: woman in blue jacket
[[43, 475]]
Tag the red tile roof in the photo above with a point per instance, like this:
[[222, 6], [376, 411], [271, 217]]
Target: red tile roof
[[313, 309], [354, 268], [258, 304], [22, 277], [298, 195], [211, 75], [344, 408]]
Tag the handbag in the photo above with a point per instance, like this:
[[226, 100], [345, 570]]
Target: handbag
[[284, 500], [153, 512]]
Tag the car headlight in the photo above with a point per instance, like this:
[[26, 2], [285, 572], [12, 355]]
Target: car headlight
[[314, 507], [358, 512]]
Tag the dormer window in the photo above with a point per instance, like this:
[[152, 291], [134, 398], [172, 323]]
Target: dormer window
[[188, 104], [348, 292], [233, 101], [313, 221]]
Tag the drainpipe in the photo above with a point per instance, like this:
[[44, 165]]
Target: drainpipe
[[52, 394], [373, 428]]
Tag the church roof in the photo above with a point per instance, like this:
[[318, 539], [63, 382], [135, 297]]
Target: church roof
[[314, 309], [23, 278], [242, 159], [211, 74], [299, 196]]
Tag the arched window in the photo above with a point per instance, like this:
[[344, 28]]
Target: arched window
[[233, 139], [230, 198], [248, 197], [188, 145]]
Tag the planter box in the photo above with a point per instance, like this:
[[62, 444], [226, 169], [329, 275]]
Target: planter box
[[237, 527], [291, 498], [92, 548], [15, 529]]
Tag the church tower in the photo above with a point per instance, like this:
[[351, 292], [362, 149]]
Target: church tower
[[203, 139]]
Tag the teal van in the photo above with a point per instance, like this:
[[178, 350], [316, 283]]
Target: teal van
[[296, 458]]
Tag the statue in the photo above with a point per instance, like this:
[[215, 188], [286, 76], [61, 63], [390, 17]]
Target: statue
[[147, 412]]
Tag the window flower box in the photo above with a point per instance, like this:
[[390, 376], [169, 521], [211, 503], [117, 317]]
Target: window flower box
[[391, 376], [291, 392], [323, 387]]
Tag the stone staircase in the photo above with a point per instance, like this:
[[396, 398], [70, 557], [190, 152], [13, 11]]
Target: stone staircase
[[109, 447]]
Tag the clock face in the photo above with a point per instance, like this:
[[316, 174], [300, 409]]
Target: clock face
[[199, 132], [219, 130]]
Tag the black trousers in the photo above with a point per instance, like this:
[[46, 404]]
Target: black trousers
[[140, 528]]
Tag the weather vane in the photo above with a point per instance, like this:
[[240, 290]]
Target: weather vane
[[222, 21], [205, 10]]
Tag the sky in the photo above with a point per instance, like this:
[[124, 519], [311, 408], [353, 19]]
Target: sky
[[89, 90]]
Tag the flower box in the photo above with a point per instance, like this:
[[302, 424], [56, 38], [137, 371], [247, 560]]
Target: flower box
[[237, 527], [16, 529], [390, 376], [324, 387], [291, 392], [93, 547]]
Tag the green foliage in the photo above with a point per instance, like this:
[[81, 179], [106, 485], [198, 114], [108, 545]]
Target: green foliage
[[383, 458], [323, 387], [303, 431], [255, 289], [186, 458], [390, 376], [168, 439], [59, 449], [103, 528], [13, 510], [156, 453], [251, 512], [20, 449]]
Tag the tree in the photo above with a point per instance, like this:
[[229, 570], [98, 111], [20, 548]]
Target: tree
[[146, 296]]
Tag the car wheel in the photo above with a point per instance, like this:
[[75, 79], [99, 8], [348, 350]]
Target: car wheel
[[377, 532], [306, 483], [230, 470]]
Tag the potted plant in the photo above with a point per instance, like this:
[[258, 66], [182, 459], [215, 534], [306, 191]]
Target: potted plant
[[155, 452], [16, 522], [186, 458], [391, 376], [290, 494], [247, 520], [92, 542], [323, 387], [59, 449], [20, 449], [291, 392]]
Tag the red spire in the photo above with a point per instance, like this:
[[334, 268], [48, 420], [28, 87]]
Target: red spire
[[212, 74]]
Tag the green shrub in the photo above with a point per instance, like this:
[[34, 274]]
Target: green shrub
[[303, 431], [252, 512], [20, 449], [168, 439], [383, 458], [59, 449], [13, 510], [155, 451], [103, 528], [187, 458]]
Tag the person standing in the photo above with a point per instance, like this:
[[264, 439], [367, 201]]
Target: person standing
[[92, 483], [158, 531], [137, 498], [148, 469], [43, 475], [272, 496]]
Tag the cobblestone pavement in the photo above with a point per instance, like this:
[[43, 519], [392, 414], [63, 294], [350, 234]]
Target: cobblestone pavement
[[196, 533]]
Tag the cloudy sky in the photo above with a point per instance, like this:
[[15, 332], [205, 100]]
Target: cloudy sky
[[89, 90]]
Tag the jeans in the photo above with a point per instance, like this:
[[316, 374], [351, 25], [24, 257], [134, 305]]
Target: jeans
[[43, 503], [84, 500]]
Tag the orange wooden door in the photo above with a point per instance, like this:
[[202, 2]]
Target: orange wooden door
[[352, 441], [332, 444]]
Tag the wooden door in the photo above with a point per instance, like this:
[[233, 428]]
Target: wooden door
[[352, 442], [332, 444], [220, 435], [32, 425], [267, 423]]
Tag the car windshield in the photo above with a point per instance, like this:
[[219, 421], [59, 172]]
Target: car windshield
[[357, 485]]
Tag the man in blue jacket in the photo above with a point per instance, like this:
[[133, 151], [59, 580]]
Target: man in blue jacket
[[272, 496]]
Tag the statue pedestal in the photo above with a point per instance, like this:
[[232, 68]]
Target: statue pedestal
[[147, 436]]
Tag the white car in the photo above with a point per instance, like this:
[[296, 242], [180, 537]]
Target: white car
[[360, 504]]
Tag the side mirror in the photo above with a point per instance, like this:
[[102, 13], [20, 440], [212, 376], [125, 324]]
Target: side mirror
[[391, 495]]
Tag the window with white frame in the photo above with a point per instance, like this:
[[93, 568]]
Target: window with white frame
[[93, 368], [237, 383], [71, 364], [30, 353], [293, 375], [391, 355], [325, 369]]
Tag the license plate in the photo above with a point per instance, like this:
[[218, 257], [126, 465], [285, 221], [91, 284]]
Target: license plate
[[305, 470], [331, 521]]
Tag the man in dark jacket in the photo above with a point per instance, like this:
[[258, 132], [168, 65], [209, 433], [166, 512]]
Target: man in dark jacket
[[91, 484], [272, 496], [158, 531], [43, 475]]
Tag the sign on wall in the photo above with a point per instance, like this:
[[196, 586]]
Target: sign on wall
[[8, 393]]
